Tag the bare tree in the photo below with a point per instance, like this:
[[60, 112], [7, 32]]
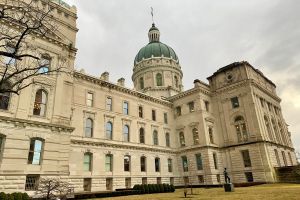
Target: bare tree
[[21, 23], [52, 188]]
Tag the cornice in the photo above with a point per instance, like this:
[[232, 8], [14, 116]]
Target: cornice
[[109, 85], [257, 85], [188, 92], [157, 149], [24, 123]]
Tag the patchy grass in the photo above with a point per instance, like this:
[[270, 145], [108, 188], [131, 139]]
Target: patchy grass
[[261, 192]]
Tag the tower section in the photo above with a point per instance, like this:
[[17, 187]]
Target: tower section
[[156, 70]]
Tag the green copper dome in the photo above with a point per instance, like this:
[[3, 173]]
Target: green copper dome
[[157, 49]]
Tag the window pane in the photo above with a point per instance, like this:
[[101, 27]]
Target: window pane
[[199, 162], [109, 103], [125, 108], [126, 133], [235, 102], [109, 130], [184, 163], [167, 139], [142, 136]]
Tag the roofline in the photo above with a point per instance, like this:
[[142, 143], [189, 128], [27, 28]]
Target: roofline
[[236, 64]]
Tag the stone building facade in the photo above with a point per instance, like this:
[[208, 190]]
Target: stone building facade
[[100, 135]]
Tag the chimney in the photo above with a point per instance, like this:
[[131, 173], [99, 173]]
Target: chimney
[[104, 76], [121, 82], [197, 83]]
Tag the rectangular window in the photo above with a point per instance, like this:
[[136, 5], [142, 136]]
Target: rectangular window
[[125, 108], [158, 180], [141, 114], [284, 158], [178, 110], [143, 164], [215, 160], [144, 180], [109, 183], [185, 163], [235, 102], [35, 150], [186, 180], [290, 157], [191, 106], [201, 178], [87, 184], [2, 138], [199, 161], [153, 115], [87, 162], [166, 118], [89, 99], [170, 166], [108, 162], [109, 103], [171, 180], [168, 139], [249, 176], [246, 158], [218, 178], [277, 157], [206, 106], [44, 65], [32, 182], [157, 165], [9, 60], [127, 182]]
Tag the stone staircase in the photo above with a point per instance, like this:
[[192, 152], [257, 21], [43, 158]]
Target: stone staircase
[[289, 174]]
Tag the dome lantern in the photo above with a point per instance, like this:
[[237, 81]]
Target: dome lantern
[[153, 34]]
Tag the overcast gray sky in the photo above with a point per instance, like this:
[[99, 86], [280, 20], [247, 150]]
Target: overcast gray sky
[[205, 34]]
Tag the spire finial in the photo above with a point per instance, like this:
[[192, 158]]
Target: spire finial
[[152, 15]]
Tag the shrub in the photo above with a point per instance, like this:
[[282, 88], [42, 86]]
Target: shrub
[[9, 197], [161, 188], [146, 189], [2, 196], [25, 196], [135, 187], [172, 188], [17, 195]]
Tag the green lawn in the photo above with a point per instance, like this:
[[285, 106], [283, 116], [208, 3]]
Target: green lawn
[[261, 192]]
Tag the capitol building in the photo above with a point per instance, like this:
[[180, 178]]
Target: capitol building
[[99, 135]]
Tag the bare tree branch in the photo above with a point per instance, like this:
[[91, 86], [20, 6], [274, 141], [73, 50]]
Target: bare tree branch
[[20, 61]]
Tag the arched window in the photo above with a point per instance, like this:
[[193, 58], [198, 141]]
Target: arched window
[[142, 135], [35, 151], [141, 83], [126, 163], [40, 103], [89, 127], [87, 161], [181, 139], [176, 81], [155, 137], [240, 128], [158, 79], [157, 164], [195, 136], [109, 130], [126, 133], [269, 128], [211, 136], [168, 139], [143, 164], [4, 97]]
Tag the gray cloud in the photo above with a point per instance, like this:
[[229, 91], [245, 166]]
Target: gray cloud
[[206, 35]]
